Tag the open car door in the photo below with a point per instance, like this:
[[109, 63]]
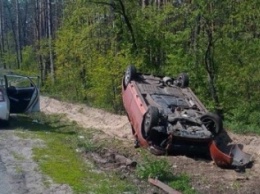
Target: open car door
[[23, 93]]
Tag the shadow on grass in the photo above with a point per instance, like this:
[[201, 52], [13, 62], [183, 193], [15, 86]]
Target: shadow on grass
[[53, 125]]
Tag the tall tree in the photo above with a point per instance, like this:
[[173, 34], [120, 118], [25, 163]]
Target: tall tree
[[49, 21], [17, 34], [2, 31]]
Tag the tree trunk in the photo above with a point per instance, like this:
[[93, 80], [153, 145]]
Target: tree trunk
[[2, 43], [17, 33], [210, 68], [42, 34], [50, 40], [129, 25], [38, 37]]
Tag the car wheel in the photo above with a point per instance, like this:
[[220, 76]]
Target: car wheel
[[151, 119], [182, 80], [167, 81], [213, 123], [130, 73]]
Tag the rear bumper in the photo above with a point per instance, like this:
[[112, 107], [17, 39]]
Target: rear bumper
[[227, 156]]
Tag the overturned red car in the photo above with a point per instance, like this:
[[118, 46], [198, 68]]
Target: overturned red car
[[165, 114]]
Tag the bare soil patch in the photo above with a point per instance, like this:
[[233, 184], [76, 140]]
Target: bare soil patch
[[206, 176]]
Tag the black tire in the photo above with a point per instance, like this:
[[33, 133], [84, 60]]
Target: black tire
[[182, 80], [151, 119], [130, 73], [213, 123]]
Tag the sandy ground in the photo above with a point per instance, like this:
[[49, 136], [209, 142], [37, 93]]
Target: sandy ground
[[113, 125]]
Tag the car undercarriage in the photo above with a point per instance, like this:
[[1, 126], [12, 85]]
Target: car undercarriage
[[166, 114]]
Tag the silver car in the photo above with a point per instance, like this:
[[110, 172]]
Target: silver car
[[18, 94]]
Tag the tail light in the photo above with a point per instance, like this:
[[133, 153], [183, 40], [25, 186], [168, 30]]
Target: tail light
[[2, 96]]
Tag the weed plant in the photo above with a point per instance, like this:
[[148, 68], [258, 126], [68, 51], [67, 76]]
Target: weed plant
[[161, 169]]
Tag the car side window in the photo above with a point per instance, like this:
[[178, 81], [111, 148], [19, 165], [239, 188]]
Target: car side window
[[19, 82]]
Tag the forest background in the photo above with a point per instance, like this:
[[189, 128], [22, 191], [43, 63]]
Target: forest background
[[81, 48]]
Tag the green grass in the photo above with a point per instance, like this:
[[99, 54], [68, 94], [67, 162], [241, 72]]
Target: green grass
[[241, 128], [160, 169], [59, 159], [182, 183]]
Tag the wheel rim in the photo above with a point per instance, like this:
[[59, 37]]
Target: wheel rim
[[147, 122], [127, 76], [180, 80]]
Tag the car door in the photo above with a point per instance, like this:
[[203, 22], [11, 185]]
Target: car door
[[23, 93]]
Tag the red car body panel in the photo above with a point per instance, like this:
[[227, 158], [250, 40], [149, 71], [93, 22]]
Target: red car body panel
[[220, 158], [136, 108]]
